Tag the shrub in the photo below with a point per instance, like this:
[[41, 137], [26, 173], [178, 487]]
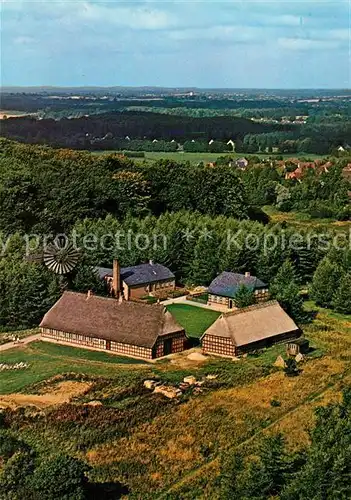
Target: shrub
[[179, 292], [134, 154], [342, 297], [291, 369], [275, 403], [62, 477], [9, 445], [320, 210], [149, 299], [344, 214], [325, 282], [244, 297]]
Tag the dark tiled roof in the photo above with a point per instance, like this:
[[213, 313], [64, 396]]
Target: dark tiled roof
[[253, 323], [141, 274], [131, 323], [227, 284], [103, 271]]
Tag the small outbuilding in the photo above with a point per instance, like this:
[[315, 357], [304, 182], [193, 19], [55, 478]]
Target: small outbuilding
[[298, 346], [129, 328], [244, 330]]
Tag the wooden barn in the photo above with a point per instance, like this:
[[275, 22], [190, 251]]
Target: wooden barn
[[224, 287], [244, 330], [129, 328], [135, 282]]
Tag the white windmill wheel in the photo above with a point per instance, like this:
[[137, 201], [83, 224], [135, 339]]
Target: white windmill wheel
[[61, 257]]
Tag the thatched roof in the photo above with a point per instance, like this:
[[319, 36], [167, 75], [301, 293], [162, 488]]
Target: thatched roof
[[252, 324], [131, 323]]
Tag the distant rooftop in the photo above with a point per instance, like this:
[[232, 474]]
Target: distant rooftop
[[140, 274], [227, 284]]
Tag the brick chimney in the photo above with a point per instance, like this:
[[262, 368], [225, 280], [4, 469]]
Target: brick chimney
[[151, 262], [116, 279], [247, 274], [89, 294]]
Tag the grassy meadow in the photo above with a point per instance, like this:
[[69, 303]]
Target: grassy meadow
[[195, 158], [304, 220], [195, 320], [47, 360]]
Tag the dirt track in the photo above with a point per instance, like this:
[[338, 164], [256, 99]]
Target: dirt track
[[21, 343]]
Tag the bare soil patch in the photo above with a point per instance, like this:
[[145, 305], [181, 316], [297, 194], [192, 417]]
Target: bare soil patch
[[61, 393]]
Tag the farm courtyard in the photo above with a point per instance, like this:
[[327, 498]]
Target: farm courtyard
[[195, 320]]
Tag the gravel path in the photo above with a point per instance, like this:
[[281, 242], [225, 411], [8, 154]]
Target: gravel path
[[26, 340]]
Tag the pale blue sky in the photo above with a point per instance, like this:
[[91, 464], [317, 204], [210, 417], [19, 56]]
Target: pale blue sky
[[257, 44]]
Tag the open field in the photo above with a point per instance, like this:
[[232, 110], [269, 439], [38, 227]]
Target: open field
[[168, 449], [304, 220], [195, 320], [176, 156], [202, 157]]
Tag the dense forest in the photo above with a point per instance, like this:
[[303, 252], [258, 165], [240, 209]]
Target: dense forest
[[108, 131], [257, 124], [43, 189], [136, 125], [174, 213]]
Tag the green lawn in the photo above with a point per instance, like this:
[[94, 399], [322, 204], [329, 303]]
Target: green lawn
[[195, 320], [46, 360], [176, 156]]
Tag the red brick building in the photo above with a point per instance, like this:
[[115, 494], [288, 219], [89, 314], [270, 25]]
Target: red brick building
[[135, 282]]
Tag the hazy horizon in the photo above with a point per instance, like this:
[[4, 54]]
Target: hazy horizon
[[175, 87], [208, 45]]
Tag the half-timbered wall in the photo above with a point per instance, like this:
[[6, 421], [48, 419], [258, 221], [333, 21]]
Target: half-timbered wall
[[131, 350], [225, 347], [218, 345], [262, 295], [136, 292], [178, 343], [217, 299], [74, 338], [84, 340]]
